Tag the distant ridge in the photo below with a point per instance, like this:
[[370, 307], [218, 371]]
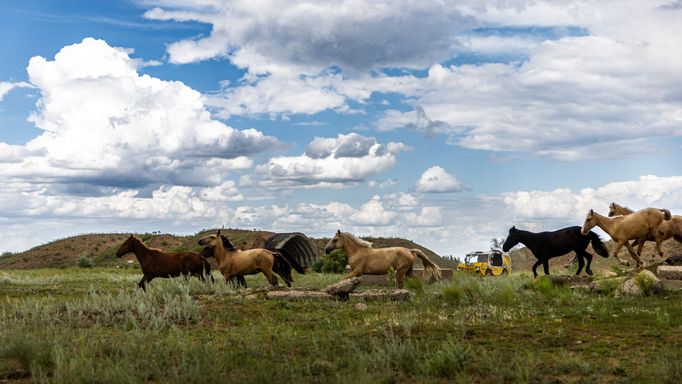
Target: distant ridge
[[101, 248]]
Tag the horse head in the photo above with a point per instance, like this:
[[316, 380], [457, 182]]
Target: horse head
[[209, 240], [589, 223], [511, 240], [126, 247], [335, 243]]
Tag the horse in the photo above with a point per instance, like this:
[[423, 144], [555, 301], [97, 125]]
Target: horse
[[155, 263], [235, 262], [280, 267], [546, 245], [622, 229], [363, 259], [670, 227]]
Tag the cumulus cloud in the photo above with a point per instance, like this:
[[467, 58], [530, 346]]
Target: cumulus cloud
[[332, 162], [438, 180], [309, 35], [104, 124], [583, 84], [569, 205]]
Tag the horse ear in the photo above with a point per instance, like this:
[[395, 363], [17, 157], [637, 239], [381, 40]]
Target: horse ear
[[218, 234], [338, 231], [131, 236], [612, 205]]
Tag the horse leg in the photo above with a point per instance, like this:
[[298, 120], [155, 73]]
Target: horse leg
[[400, 278], [545, 266], [353, 273], [143, 283], [535, 267], [587, 256], [639, 247], [271, 278], [640, 262], [619, 245], [581, 263]]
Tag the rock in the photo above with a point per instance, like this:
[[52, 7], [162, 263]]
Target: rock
[[606, 285], [609, 274], [343, 287], [643, 283], [631, 287], [570, 280], [361, 306], [669, 272], [297, 295]]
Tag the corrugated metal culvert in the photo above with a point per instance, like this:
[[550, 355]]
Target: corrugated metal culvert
[[296, 244]]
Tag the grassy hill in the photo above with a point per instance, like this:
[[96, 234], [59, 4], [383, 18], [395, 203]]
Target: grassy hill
[[101, 248]]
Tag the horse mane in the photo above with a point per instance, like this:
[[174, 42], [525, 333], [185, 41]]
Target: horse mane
[[358, 241], [146, 246], [226, 243]]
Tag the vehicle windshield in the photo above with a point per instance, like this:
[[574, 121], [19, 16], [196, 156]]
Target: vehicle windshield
[[476, 258]]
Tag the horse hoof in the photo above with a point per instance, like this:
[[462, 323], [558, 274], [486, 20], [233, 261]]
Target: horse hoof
[[589, 272]]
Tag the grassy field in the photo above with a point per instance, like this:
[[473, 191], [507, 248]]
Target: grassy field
[[92, 325]]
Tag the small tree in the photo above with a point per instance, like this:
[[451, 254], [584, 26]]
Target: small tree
[[335, 262], [85, 262], [496, 244]]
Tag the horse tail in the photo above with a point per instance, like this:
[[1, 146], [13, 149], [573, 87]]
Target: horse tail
[[598, 245], [666, 214], [289, 258], [282, 267], [431, 270]]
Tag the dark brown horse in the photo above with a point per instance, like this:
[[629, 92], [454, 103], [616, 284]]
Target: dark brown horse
[[156, 263]]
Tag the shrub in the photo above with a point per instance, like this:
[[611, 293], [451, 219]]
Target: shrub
[[85, 262], [335, 262]]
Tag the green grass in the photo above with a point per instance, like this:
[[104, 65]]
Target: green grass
[[83, 325]]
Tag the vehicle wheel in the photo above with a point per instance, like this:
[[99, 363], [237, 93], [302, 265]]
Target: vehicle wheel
[[488, 272], [505, 272]]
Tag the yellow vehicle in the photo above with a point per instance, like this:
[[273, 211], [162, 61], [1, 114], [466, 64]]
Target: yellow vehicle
[[486, 263]]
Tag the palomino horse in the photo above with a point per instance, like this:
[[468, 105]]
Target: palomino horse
[[235, 262], [622, 229], [156, 263], [546, 245], [363, 259], [668, 228], [281, 267]]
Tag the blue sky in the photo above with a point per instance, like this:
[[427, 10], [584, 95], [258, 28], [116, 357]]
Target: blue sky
[[442, 122]]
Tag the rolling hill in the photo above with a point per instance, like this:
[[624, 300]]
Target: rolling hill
[[101, 248]]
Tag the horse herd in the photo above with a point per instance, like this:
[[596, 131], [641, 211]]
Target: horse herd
[[234, 264], [622, 224]]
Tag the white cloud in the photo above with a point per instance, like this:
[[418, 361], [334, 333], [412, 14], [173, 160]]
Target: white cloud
[[582, 85], [106, 125], [309, 35], [331, 162], [567, 205], [5, 87], [438, 180]]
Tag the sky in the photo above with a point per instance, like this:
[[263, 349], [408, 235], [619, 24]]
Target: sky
[[443, 122]]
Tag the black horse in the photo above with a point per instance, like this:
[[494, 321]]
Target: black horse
[[546, 245]]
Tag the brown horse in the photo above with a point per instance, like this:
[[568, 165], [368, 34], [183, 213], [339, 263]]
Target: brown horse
[[156, 263], [622, 229], [281, 267], [235, 263], [671, 227], [363, 259]]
